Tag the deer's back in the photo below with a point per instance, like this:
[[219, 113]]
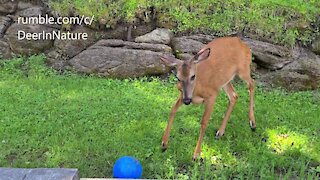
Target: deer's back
[[228, 56]]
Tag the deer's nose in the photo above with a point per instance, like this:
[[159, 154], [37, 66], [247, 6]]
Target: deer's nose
[[187, 101]]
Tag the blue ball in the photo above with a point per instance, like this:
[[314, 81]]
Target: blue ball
[[127, 167]]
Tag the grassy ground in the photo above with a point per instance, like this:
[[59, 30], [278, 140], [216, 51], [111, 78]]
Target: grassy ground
[[50, 120], [279, 21]]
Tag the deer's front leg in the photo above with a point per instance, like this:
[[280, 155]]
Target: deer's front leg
[[204, 123], [165, 137]]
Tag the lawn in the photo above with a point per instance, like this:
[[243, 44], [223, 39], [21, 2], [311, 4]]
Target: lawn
[[87, 122]]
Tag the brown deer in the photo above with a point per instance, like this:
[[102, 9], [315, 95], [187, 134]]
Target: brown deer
[[201, 78]]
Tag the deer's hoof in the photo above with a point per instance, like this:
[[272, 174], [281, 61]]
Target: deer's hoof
[[164, 146], [198, 159], [252, 125], [195, 156], [219, 135]]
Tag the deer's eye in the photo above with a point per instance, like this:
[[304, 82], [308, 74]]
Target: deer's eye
[[193, 77]]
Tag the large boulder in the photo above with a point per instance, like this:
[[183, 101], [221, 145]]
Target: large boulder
[[24, 5], [269, 56], [33, 11], [73, 47], [5, 22], [186, 44], [66, 49], [157, 36], [121, 31], [8, 6], [121, 59], [203, 38], [5, 52], [301, 74], [38, 173], [306, 62], [289, 80], [25, 46], [186, 47]]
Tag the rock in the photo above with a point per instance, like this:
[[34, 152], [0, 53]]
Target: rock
[[5, 22], [269, 56], [57, 60], [33, 11], [73, 47], [185, 44], [52, 174], [121, 31], [302, 74], [305, 62], [38, 174], [5, 52], [292, 81], [24, 5], [8, 6], [13, 173], [142, 29], [157, 36], [308, 64], [186, 47], [24, 46], [121, 59], [205, 39], [316, 46], [131, 45], [66, 49]]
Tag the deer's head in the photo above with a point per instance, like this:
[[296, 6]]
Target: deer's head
[[186, 72]]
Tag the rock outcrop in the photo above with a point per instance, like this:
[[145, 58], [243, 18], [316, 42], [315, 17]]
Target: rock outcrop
[[25, 46], [269, 56], [121, 59], [302, 74]]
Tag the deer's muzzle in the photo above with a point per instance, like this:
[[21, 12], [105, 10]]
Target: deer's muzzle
[[187, 101]]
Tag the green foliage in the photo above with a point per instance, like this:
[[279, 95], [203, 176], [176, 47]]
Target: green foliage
[[279, 21], [105, 11], [87, 122]]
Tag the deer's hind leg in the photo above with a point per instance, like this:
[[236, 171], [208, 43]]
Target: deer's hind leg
[[232, 95], [245, 75]]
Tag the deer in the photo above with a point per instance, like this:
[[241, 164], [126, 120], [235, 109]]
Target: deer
[[201, 78]]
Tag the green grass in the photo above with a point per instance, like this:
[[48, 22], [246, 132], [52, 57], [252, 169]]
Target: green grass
[[282, 22], [87, 122]]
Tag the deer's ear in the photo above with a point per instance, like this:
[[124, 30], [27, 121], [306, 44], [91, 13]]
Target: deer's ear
[[201, 55], [170, 61]]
